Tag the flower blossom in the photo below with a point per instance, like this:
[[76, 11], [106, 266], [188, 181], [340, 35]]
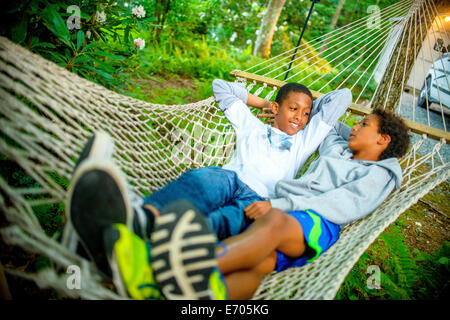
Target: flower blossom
[[100, 17], [139, 11], [139, 43]]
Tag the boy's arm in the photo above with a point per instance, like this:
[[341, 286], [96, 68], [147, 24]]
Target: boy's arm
[[227, 93], [257, 102], [342, 205], [326, 112], [331, 106], [336, 135], [232, 99]]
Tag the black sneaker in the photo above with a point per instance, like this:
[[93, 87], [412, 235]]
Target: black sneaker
[[99, 145], [98, 198], [183, 254]]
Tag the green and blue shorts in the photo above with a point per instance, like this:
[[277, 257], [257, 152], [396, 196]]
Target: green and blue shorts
[[320, 234]]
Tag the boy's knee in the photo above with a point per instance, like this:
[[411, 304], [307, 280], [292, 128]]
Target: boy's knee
[[275, 219]]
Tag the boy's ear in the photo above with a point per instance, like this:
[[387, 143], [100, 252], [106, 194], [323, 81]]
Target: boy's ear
[[384, 140], [275, 107]]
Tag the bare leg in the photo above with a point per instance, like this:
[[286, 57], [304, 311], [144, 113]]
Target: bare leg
[[274, 231], [243, 284]]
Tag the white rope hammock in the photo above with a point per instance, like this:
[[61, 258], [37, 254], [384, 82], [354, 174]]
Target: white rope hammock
[[48, 113]]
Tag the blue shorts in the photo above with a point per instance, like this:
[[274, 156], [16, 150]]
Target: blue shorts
[[320, 234]]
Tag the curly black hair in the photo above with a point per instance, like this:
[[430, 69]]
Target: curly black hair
[[393, 125], [288, 88]]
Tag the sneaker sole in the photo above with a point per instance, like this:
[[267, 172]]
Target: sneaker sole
[[183, 253], [96, 200]]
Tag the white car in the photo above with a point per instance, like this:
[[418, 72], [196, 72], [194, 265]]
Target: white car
[[436, 85]]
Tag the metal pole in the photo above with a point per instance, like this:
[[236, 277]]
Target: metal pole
[[301, 36]]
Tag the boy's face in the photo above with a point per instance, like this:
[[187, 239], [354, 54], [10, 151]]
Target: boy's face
[[293, 113], [365, 135]]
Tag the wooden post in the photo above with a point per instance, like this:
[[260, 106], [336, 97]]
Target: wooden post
[[402, 60]]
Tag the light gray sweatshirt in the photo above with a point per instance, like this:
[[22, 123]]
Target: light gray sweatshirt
[[339, 188]]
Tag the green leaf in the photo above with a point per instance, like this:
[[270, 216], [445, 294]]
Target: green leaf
[[101, 73], [19, 31], [126, 34], [90, 45], [80, 39], [44, 45], [109, 55], [55, 24]]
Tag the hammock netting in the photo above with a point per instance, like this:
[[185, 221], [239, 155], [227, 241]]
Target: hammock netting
[[46, 116]]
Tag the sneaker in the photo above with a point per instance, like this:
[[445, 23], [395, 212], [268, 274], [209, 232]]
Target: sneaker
[[129, 258], [99, 145], [183, 254], [96, 199]]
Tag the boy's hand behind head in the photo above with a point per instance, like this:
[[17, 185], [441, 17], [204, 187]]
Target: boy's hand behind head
[[267, 114]]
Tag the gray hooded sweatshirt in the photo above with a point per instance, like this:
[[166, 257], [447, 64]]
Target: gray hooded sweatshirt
[[339, 188]]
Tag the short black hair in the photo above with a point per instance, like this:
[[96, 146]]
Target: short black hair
[[394, 126], [291, 87]]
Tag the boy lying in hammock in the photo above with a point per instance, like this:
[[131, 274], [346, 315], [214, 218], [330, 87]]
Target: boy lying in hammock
[[264, 154], [356, 171]]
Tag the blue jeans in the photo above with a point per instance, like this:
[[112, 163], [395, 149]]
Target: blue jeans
[[216, 192]]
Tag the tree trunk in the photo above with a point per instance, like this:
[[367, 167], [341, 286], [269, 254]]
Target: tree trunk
[[389, 91], [162, 7], [337, 14], [269, 21]]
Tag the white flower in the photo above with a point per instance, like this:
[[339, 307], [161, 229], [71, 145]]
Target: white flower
[[244, 14], [139, 43], [88, 34], [100, 17], [125, 4], [233, 37], [249, 41], [139, 11], [202, 15]]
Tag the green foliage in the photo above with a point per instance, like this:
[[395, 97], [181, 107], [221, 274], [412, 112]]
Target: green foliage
[[406, 273], [45, 27]]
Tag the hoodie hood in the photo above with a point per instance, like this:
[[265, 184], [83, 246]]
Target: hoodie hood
[[392, 165]]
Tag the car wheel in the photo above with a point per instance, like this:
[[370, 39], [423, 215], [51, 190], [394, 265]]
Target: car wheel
[[422, 100]]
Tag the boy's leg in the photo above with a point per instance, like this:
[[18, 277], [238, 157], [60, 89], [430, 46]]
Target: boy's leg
[[98, 197], [99, 204], [207, 188], [230, 220], [183, 251], [251, 255], [242, 284], [275, 230]]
